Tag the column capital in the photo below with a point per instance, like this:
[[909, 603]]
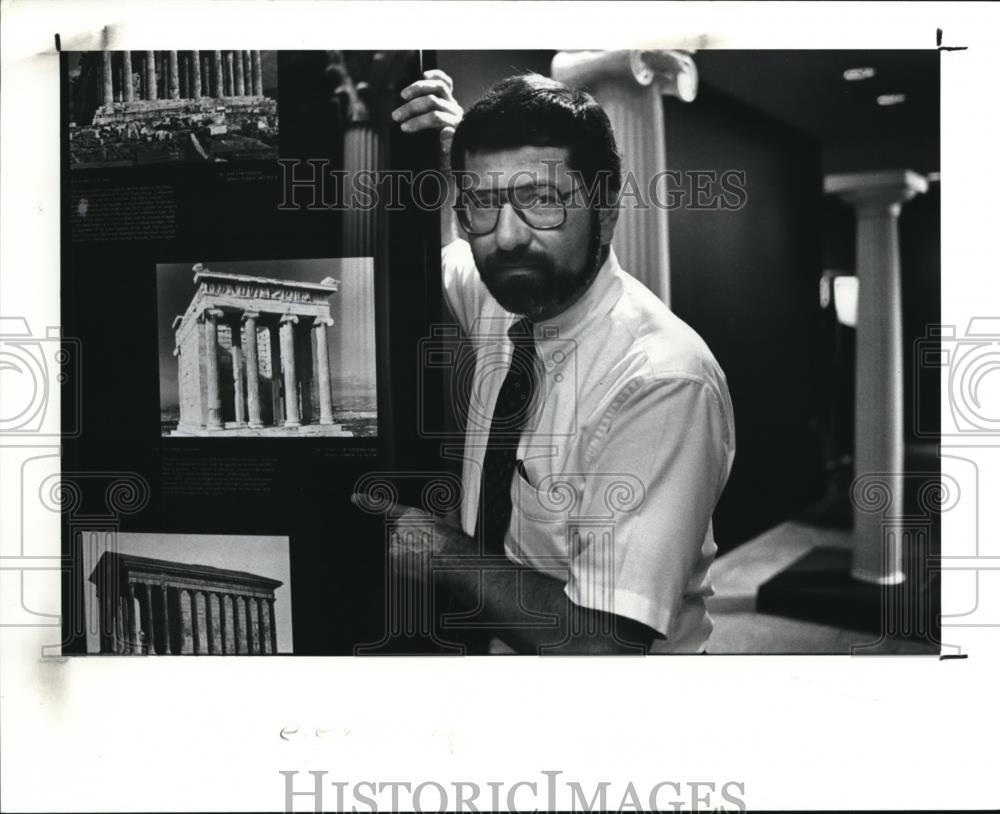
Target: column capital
[[672, 72], [323, 322], [212, 313], [287, 319], [250, 315], [884, 188]]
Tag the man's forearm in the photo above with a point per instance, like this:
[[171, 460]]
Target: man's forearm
[[529, 610], [449, 223]]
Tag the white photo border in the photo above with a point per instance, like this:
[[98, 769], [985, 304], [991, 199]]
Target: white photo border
[[95, 734]]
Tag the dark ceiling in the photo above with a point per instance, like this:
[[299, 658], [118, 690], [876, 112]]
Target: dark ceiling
[[807, 90]]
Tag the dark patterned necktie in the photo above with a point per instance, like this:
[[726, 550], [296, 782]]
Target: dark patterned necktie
[[515, 406]]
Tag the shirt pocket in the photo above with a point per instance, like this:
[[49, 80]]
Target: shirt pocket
[[539, 520]]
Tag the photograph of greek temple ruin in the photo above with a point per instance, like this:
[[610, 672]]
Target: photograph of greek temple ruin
[[186, 594], [129, 108], [282, 348]]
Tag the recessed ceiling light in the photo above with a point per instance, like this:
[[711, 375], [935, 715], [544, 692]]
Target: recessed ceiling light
[[887, 99], [856, 74]]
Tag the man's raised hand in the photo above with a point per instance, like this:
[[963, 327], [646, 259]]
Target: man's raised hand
[[428, 104]]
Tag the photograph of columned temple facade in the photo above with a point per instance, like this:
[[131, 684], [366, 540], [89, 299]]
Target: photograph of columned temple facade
[[262, 356], [128, 108], [150, 593], [158, 607]]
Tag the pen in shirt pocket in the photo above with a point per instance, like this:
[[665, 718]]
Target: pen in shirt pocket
[[523, 472]]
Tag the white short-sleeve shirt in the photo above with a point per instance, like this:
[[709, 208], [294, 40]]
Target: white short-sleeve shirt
[[625, 457]]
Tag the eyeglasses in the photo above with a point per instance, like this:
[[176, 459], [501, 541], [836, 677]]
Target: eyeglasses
[[541, 207]]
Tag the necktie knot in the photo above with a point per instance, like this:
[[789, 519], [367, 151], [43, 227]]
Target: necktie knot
[[521, 332]]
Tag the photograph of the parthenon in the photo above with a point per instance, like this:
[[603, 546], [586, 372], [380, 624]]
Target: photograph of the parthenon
[[129, 108], [247, 354]]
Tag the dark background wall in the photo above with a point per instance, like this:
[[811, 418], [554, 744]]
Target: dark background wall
[[747, 281], [859, 133], [920, 260], [474, 71]]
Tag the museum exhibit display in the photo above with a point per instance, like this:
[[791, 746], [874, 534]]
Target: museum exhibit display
[[247, 332]]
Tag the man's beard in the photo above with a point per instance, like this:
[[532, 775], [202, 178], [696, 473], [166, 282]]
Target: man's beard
[[528, 283]]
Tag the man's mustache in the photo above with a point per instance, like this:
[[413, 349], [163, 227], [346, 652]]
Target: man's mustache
[[518, 259]]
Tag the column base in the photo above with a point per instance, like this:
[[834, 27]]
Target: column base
[[288, 423], [279, 431]]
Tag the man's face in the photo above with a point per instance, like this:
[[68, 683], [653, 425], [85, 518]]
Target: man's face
[[534, 272]]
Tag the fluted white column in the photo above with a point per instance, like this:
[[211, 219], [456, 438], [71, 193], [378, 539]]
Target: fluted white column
[[200, 617], [229, 632], [128, 89], [320, 324], [173, 77], [151, 75], [252, 363], [630, 85], [288, 323], [120, 626], [363, 152], [230, 84], [217, 71], [257, 74], [238, 405], [195, 74], [109, 81], [216, 621], [240, 89], [150, 626], [165, 593], [240, 625], [253, 625], [134, 621], [184, 75], [265, 628], [877, 198], [214, 405], [274, 354], [186, 621], [206, 75]]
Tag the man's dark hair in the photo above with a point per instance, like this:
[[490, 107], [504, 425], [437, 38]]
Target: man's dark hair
[[532, 110]]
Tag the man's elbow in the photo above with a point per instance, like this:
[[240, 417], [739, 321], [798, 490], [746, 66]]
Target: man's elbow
[[608, 634]]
